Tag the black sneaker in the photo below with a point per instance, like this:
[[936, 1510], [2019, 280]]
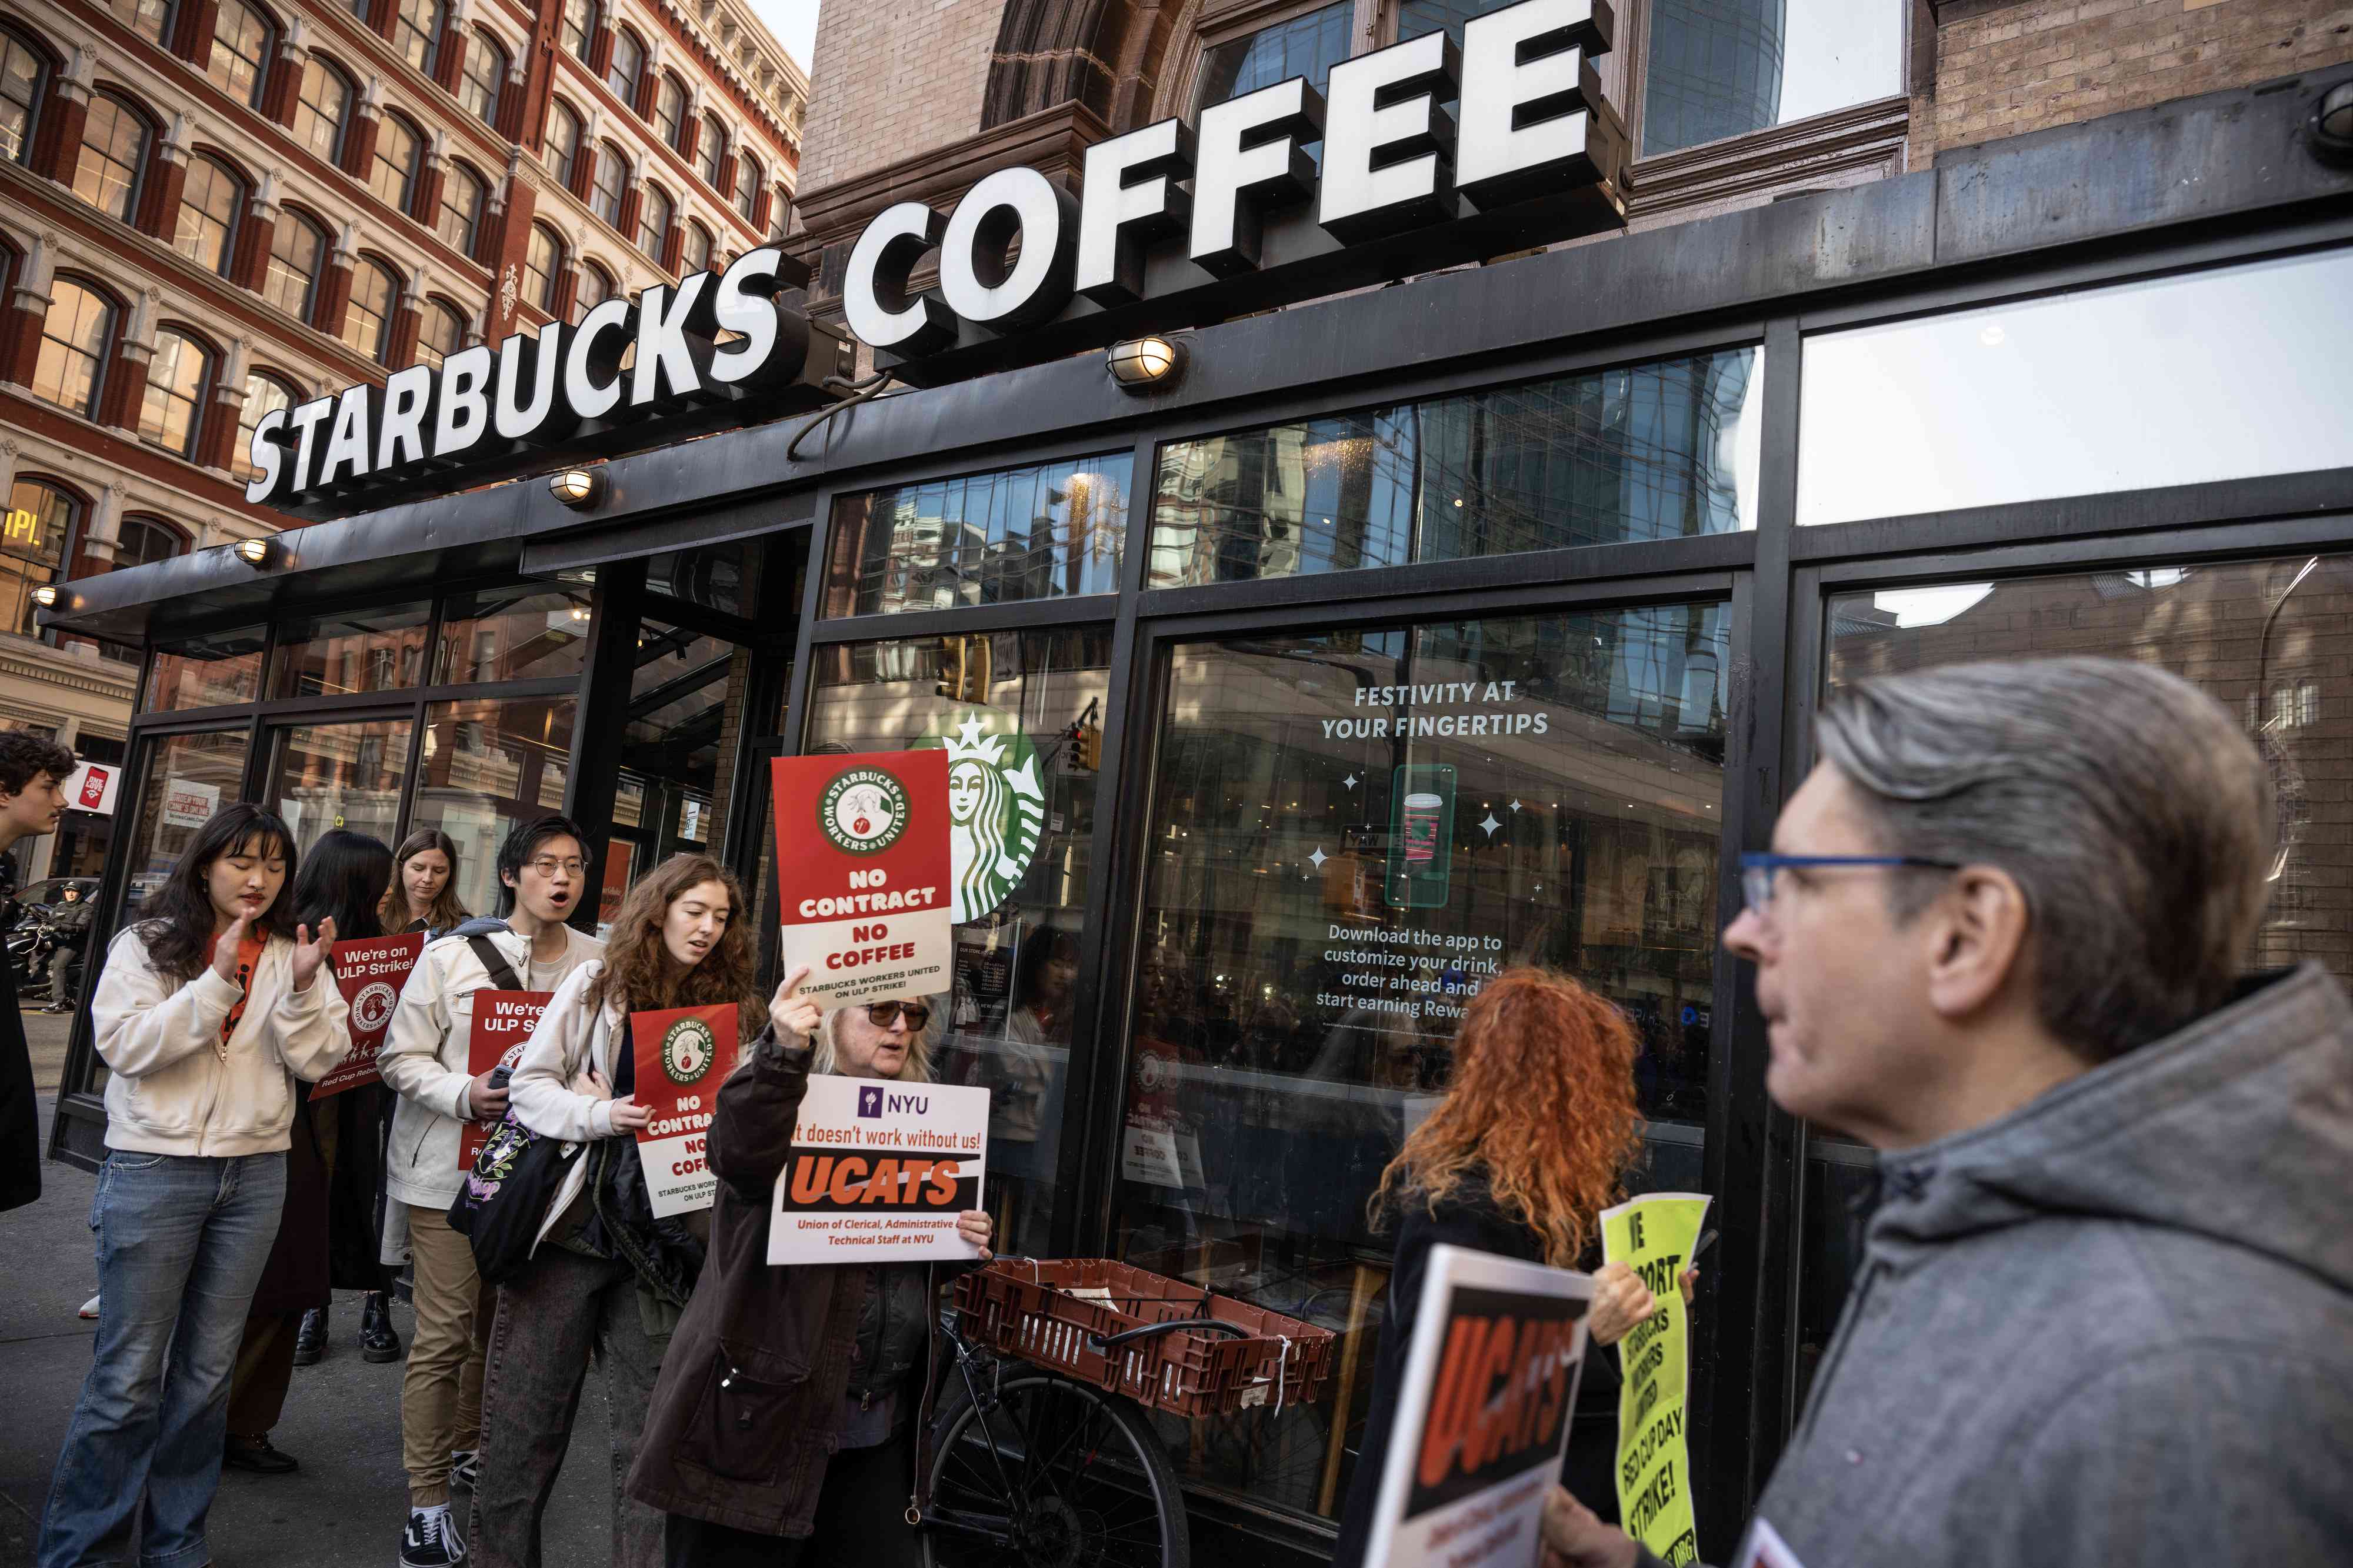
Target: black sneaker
[[311, 1340], [377, 1342], [255, 1454], [431, 1539]]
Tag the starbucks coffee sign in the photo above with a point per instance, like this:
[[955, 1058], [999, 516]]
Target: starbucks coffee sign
[[1430, 156]]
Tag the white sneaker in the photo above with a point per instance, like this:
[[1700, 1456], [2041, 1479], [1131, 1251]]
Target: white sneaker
[[89, 1308], [465, 1466], [432, 1539]]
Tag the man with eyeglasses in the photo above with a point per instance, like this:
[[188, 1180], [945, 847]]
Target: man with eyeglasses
[[543, 876], [2105, 1314]]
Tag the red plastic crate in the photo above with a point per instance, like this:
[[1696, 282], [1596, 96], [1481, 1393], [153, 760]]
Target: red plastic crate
[[1023, 1308]]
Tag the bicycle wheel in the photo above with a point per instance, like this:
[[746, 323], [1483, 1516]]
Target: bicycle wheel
[[1057, 1475]]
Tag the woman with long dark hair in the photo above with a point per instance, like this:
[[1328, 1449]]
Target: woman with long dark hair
[[422, 894], [1530, 1145], [340, 885], [605, 1275], [209, 1009]]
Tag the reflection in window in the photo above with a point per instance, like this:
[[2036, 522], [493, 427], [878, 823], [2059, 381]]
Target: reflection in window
[[608, 180], [1349, 832], [563, 144], [669, 109], [417, 31], [186, 779], [597, 285], [481, 77], [2018, 402], [1416, 17], [32, 545], [488, 764], [75, 334], [206, 672], [675, 786], [1307, 46], [440, 332], [653, 221], [296, 248], [626, 63], [208, 212], [393, 174], [320, 112], [1655, 451], [22, 76], [168, 413], [367, 318], [512, 633], [113, 153], [543, 266], [150, 20], [582, 18], [1002, 705], [460, 219], [263, 394], [748, 176], [341, 775], [709, 147], [715, 575], [1725, 68], [240, 58], [365, 650], [1038, 532]]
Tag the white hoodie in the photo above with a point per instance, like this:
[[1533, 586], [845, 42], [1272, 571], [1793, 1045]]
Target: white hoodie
[[425, 1056], [570, 1037], [173, 1091]]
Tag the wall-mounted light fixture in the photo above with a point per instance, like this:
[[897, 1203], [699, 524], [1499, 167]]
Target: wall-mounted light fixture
[[1146, 364], [254, 552], [579, 488], [46, 596], [2332, 125]]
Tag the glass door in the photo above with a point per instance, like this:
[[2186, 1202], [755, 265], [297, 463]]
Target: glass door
[[347, 775]]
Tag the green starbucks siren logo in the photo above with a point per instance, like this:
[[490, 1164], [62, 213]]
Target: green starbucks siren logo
[[687, 1049], [863, 810], [996, 813]]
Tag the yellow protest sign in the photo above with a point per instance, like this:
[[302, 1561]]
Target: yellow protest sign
[[1654, 1236]]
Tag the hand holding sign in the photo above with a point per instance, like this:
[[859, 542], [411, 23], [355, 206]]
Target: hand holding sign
[[628, 1115], [1575, 1537], [975, 1228], [1621, 1300], [790, 1012]]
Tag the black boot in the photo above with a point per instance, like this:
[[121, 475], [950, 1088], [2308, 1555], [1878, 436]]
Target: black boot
[[311, 1342], [256, 1455], [377, 1342]]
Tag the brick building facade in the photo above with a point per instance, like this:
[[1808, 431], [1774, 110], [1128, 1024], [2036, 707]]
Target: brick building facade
[[210, 207]]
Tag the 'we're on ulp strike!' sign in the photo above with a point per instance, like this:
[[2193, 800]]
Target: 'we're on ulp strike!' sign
[[863, 866], [370, 975], [503, 1021], [683, 1056]]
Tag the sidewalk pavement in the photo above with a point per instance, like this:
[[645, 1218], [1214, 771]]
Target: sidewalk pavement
[[348, 1501]]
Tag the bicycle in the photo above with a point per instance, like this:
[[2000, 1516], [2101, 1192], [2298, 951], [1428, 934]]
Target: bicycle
[[1041, 1454]]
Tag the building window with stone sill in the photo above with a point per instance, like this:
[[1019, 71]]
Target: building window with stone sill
[[171, 410]]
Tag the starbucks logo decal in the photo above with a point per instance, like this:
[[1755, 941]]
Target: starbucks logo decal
[[687, 1049], [863, 810], [997, 815], [371, 1008]]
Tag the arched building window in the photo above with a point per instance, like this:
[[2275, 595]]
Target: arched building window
[[582, 18], [711, 150], [417, 31], [143, 541], [399, 146], [297, 246], [597, 285], [263, 393], [483, 73], [150, 20], [627, 64], [115, 140], [542, 267], [367, 320], [694, 252], [669, 109], [611, 178], [460, 220], [564, 132], [24, 78], [75, 336], [324, 108], [211, 202], [749, 177], [40, 518], [243, 41], [440, 334], [172, 407], [654, 219]]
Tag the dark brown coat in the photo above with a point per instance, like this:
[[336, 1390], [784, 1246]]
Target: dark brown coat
[[750, 1401]]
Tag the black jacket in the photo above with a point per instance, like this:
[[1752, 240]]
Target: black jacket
[[20, 1118], [1471, 1219]]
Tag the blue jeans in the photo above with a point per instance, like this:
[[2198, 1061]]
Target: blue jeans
[[181, 1245]]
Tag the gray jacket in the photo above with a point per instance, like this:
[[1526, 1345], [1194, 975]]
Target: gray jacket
[[2113, 1329]]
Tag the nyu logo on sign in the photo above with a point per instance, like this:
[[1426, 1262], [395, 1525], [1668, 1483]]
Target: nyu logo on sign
[[1431, 155], [870, 1101]]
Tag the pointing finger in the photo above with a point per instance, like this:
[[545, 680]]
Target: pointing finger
[[793, 981]]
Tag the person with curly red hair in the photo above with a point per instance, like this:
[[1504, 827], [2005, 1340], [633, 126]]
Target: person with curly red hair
[[1530, 1145]]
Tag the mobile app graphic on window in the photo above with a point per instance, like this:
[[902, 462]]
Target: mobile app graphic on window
[[1421, 836]]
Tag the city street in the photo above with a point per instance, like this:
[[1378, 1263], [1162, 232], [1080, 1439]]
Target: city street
[[342, 1419]]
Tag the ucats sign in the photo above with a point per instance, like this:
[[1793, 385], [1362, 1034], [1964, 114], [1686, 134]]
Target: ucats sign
[[865, 870], [481, 413], [1431, 155], [880, 1169]]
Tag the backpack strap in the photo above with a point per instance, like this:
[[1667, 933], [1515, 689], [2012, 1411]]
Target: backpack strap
[[502, 973]]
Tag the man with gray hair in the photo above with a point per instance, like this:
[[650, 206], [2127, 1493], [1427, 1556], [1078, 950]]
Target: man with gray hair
[[2105, 1314]]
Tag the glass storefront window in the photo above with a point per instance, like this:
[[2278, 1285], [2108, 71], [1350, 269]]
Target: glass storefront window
[[186, 779], [2033, 400], [2205, 623], [1004, 705], [326, 776], [210, 672], [677, 776], [1308, 46], [1039, 532], [1348, 832], [1725, 68], [488, 765], [1654, 451], [526, 633], [716, 576], [343, 655]]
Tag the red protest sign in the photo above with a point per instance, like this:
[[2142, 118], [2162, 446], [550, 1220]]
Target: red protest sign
[[502, 1024], [370, 975], [865, 869], [683, 1055]]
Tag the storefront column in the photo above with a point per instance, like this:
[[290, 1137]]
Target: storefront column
[[602, 725]]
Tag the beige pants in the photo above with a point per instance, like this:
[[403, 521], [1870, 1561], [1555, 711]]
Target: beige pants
[[441, 1392]]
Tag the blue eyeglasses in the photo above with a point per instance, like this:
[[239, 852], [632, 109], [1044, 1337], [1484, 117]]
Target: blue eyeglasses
[[1758, 872]]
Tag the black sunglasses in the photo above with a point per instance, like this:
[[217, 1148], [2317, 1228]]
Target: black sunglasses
[[882, 1015]]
